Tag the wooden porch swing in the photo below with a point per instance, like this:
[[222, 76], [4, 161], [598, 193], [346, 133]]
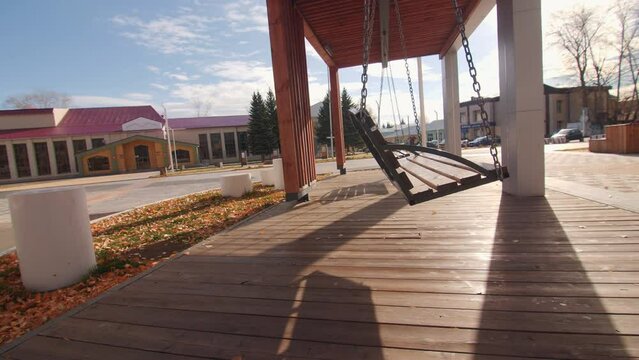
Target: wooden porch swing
[[419, 173]]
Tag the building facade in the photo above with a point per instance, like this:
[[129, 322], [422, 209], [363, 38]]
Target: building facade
[[565, 106], [470, 117], [52, 143]]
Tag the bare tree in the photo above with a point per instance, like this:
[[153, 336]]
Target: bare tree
[[574, 32], [38, 99], [201, 106], [626, 45]]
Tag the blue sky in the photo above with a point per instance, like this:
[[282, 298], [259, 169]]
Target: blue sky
[[177, 53]]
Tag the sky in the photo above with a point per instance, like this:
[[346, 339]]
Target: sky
[[176, 53]]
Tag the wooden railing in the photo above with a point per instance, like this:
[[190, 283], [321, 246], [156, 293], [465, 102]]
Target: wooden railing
[[620, 139]]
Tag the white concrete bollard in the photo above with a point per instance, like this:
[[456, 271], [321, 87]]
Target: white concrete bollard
[[278, 174], [53, 237], [236, 185], [267, 177]]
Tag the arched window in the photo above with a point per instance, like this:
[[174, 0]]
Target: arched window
[[98, 163], [183, 156]]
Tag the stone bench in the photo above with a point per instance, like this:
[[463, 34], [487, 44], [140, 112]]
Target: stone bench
[[267, 177], [236, 185]]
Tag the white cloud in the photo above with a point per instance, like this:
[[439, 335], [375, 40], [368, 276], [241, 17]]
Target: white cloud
[[153, 69], [184, 34], [251, 71], [225, 97], [99, 101], [159, 86], [138, 96], [246, 16], [177, 76]]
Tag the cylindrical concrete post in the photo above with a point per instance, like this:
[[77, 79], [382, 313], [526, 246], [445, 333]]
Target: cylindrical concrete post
[[236, 185], [267, 177], [53, 237], [278, 174]]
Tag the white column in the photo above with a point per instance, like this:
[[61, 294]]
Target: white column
[[223, 142], [237, 144], [521, 94], [33, 165], [52, 163], [89, 143], [209, 145], [450, 92], [71, 155], [422, 111], [13, 167]]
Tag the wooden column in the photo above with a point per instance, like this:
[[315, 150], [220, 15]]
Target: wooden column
[[288, 52], [336, 117]]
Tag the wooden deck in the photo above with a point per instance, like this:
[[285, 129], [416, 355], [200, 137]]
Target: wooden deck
[[358, 274]]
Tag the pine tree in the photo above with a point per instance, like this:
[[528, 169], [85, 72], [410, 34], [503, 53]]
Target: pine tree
[[351, 136], [259, 129], [323, 122], [271, 113]]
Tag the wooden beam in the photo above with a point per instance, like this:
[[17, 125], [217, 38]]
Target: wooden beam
[[474, 12], [384, 6], [317, 44], [286, 30], [337, 119]]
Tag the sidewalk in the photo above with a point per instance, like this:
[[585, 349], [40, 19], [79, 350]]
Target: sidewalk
[[76, 181]]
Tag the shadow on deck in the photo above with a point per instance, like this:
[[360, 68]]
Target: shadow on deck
[[357, 274]]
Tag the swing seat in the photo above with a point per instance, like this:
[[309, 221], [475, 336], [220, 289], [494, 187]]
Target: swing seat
[[421, 173]]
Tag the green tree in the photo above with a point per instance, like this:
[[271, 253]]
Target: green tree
[[351, 136], [259, 129], [271, 114], [323, 130]]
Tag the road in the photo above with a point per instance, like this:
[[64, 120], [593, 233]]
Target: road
[[620, 174]]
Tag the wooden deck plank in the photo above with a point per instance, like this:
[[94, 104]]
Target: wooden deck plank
[[42, 347], [250, 270], [461, 286], [415, 316], [356, 273], [499, 265], [220, 345], [451, 339], [593, 304]]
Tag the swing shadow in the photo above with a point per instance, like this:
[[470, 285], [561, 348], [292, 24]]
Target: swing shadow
[[561, 317], [316, 301]]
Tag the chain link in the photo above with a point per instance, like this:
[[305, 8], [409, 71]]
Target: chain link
[[402, 40], [369, 19], [459, 16]]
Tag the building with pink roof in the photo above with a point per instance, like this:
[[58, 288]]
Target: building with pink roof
[[49, 143]]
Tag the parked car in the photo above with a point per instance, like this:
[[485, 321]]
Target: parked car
[[432, 144], [442, 143], [480, 141], [464, 143], [569, 134]]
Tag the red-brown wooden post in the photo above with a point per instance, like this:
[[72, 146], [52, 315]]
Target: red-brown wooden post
[[336, 117], [288, 53]]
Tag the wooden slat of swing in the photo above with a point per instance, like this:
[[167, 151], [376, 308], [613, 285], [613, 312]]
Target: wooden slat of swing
[[459, 174], [446, 161], [434, 180]]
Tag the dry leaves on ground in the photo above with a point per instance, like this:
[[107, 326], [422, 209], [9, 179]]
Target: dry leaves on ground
[[126, 245]]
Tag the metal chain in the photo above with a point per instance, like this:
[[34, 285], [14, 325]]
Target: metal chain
[[369, 18], [459, 16], [410, 82]]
